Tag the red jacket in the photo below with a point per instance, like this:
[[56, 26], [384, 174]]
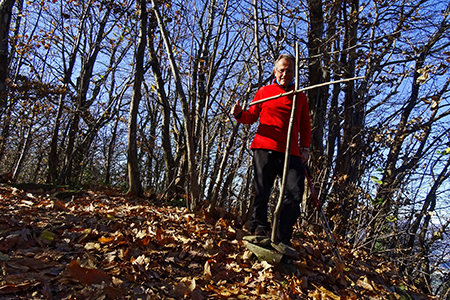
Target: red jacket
[[274, 116]]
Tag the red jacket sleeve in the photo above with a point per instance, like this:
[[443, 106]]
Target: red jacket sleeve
[[251, 115]]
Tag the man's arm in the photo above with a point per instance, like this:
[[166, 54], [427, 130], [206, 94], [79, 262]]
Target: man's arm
[[249, 116]]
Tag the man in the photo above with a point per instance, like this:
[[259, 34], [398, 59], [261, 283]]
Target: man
[[269, 146]]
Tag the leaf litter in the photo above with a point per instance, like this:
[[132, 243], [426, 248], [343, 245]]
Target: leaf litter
[[103, 245]]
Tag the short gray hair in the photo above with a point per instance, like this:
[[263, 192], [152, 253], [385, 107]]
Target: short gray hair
[[286, 56]]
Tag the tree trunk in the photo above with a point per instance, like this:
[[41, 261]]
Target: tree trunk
[[68, 71], [148, 142], [324, 163], [53, 154], [349, 153], [111, 147], [4, 135], [38, 167], [5, 20], [16, 30], [169, 161], [317, 104], [187, 126], [230, 142], [211, 69], [246, 194], [224, 160], [134, 180], [82, 107], [257, 42], [23, 153]]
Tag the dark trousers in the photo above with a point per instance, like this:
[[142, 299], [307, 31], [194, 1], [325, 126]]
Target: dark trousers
[[267, 165]]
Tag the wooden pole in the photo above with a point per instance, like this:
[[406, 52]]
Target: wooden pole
[[287, 155], [296, 91]]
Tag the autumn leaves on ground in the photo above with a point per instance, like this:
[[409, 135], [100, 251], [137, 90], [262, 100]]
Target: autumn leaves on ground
[[102, 245]]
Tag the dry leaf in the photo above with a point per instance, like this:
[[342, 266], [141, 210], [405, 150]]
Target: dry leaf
[[207, 271], [87, 276], [364, 283], [328, 293], [106, 240]]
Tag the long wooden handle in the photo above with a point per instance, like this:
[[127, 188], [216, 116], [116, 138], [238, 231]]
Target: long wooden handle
[[287, 155], [296, 91]]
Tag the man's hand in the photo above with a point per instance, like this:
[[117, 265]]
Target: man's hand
[[236, 109], [304, 156]]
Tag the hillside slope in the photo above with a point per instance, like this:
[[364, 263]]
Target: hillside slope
[[102, 245]]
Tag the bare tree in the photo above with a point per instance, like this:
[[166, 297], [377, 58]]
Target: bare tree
[[67, 71], [394, 174], [135, 186], [187, 122], [166, 111], [6, 7]]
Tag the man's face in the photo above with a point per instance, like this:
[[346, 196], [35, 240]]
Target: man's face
[[284, 71]]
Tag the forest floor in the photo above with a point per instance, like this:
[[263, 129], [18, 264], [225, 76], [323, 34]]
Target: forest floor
[[103, 245]]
